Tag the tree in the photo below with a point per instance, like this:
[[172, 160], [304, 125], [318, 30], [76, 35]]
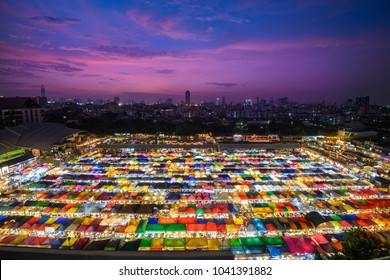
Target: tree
[[360, 244]]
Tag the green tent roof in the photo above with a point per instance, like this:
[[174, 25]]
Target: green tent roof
[[176, 227], [155, 228], [146, 242], [235, 242], [252, 241], [141, 229], [174, 242], [274, 240]]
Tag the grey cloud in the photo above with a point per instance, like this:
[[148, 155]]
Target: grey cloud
[[166, 71], [77, 63], [223, 17], [28, 68], [221, 84], [17, 73], [125, 51], [119, 51], [12, 84], [90, 75], [54, 20]]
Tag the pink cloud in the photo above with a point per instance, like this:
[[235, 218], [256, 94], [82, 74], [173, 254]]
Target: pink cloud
[[165, 27], [120, 70]]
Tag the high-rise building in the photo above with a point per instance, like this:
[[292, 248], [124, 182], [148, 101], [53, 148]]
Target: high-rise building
[[188, 98], [362, 101], [43, 91], [41, 100], [223, 100], [217, 101], [283, 101], [117, 99], [248, 103]]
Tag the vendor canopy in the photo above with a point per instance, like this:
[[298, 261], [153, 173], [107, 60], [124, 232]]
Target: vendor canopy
[[196, 243], [317, 219], [297, 245]]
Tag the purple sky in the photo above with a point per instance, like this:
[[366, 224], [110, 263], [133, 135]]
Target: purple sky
[[306, 50]]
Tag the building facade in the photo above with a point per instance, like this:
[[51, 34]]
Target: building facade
[[19, 110]]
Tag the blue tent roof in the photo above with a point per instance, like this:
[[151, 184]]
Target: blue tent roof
[[273, 251], [43, 220], [60, 220], [153, 221]]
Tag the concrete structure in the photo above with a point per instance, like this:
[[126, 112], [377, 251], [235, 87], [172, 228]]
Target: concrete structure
[[40, 136], [20, 110], [188, 98]]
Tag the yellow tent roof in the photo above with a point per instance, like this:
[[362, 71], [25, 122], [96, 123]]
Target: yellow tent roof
[[157, 243], [231, 228], [196, 243], [213, 245]]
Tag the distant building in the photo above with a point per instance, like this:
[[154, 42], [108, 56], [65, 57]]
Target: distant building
[[348, 134], [362, 101], [168, 101], [356, 130], [117, 99], [283, 101], [43, 91], [223, 101], [188, 98], [20, 110], [248, 103], [42, 99]]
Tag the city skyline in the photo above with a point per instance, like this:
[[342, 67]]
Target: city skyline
[[234, 49]]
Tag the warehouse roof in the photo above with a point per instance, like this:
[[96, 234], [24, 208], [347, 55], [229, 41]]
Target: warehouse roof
[[37, 135]]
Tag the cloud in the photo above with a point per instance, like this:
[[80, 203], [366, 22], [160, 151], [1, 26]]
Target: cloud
[[166, 27], [90, 75], [115, 51], [54, 20], [166, 71], [77, 63], [250, 50], [25, 37], [125, 51], [12, 84], [26, 68], [221, 84], [17, 73], [223, 17]]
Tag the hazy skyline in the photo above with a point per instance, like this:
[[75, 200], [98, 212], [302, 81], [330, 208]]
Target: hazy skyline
[[305, 50]]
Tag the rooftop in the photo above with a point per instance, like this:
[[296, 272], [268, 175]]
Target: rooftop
[[36, 136], [17, 103]]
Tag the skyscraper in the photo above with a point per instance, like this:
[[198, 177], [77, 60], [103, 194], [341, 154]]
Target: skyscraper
[[188, 98], [43, 91], [362, 101], [41, 100]]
